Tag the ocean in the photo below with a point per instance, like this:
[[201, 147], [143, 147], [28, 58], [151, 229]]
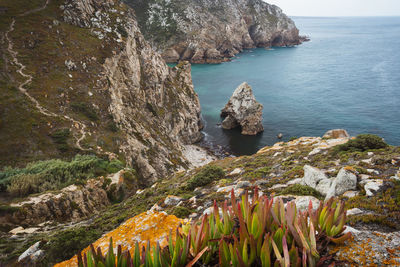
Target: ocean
[[347, 76]]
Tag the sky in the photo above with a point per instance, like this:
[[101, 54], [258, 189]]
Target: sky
[[339, 7]]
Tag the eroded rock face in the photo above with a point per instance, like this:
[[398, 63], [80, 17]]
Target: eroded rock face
[[243, 110], [212, 31], [69, 204], [155, 106]]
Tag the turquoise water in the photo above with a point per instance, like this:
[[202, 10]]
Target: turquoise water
[[348, 77]]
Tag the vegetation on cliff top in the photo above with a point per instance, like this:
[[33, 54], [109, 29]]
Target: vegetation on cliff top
[[54, 174]]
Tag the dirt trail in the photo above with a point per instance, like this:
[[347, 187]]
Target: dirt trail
[[79, 126]]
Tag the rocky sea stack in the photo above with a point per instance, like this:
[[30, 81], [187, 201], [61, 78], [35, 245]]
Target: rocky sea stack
[[212, 31], [243, 110]]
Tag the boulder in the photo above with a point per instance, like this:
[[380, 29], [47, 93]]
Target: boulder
[[302, 202], [323, 186], [236, 171], [372, 187], [345, 181], [243, 110], [172, 200], [243, 184], [336, 133], [312, 176], [32, 254]]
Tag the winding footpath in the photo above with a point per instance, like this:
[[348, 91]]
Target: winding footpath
[[81, 127]]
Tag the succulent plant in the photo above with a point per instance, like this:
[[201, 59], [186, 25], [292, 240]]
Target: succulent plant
[[255, 231]]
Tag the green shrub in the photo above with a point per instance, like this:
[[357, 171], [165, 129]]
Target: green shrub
[[205, 176], [181, 212], [68, 243], [60, 137], [54, 174], [113, 127], [362, 142], [293, 138], [301, 190], [86, 110]]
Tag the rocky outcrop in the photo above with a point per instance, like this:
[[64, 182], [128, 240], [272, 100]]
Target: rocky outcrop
[[212, 31], [336, 134], [149, 226], [243, 110], [72, 203]]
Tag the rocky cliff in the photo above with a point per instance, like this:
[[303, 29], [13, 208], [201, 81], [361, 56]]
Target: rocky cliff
[[78, 77], [212, 31]]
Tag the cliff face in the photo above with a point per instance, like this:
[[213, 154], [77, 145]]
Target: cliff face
[[212, 31], [87, 81]]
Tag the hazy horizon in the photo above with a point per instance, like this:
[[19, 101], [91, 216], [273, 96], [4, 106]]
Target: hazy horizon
[[339, 8]]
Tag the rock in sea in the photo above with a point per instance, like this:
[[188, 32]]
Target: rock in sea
[[243, 110]]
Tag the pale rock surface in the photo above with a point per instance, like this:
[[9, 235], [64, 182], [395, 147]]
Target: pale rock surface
[[312, 176], [350, 194], [32, 255], [243, 110], [355, 211], [172, 200], [236, 171], [197, 156], [302, 202], [324, 186], [295, 181], [372, 186], [345, 180]]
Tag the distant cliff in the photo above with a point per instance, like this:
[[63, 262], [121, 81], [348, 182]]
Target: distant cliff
[[204, 31]]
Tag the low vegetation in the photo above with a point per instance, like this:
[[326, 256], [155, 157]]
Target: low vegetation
[[85, 109], [205, 176], [362, 142], [254, 232], [54, 174], [301, 190]]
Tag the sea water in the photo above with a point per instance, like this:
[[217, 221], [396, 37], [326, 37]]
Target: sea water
[[347, 76]]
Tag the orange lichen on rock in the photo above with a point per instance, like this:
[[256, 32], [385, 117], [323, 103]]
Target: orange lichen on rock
[[364, 252], [148, 226], [350, 169]]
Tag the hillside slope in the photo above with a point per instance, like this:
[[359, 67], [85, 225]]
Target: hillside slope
[[212, 31], [77, 76]]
